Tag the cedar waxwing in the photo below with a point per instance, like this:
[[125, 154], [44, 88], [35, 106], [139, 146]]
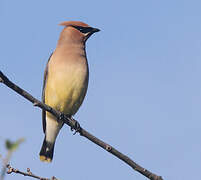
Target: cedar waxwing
[[65, 80]]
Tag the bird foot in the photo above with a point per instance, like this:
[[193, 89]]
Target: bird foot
[[76, 127], [61, 116]]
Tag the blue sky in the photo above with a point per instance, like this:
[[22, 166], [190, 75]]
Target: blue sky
[[144, 95]]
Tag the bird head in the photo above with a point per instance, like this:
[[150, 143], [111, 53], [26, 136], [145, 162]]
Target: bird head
[[77, 31]]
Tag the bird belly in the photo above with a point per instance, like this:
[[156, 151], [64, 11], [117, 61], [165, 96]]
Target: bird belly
[[66, 91]]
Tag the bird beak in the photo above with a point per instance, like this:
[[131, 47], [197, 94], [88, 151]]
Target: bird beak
[[95, 30]]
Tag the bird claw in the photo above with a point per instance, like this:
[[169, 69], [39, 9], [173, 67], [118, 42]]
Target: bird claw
[[76, 128], [61, 116], [75, 132]]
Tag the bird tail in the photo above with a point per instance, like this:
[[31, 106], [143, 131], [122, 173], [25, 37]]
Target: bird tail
[[47, 151]]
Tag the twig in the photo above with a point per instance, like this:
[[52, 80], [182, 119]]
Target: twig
[[28, 173], [75, 125], [5, 162]]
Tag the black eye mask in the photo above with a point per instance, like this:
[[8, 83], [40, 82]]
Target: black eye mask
[[84, 29]]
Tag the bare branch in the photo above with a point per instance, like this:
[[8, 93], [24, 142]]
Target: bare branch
[[28, 173], [75, 125], [5, 162]]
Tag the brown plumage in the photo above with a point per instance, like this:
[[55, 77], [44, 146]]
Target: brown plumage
[[65, 80]]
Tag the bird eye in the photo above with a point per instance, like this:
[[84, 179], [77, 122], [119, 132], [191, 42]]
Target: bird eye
[[84, 29]]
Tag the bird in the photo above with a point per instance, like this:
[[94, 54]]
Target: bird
[[65, 82]]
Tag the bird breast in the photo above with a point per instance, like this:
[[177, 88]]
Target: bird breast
[[67, 84]]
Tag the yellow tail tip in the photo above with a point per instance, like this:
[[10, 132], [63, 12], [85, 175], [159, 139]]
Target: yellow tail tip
[[45, 159]]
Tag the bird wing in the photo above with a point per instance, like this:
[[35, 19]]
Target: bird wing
[[43, 93]]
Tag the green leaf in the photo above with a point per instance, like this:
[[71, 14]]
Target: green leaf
[[12, 146]]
